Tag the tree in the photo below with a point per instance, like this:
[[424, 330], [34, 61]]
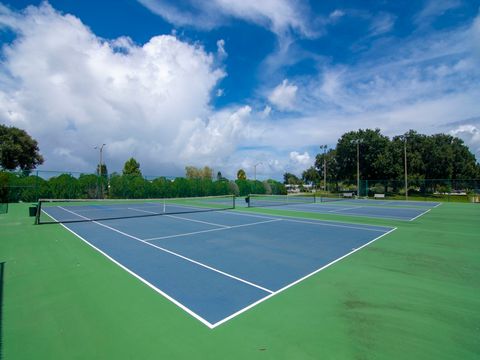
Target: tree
[[18, 149], [289, 178], [311, 175], [192, 172], [103, 170], [132, 167], [241, 175], [372, 145]]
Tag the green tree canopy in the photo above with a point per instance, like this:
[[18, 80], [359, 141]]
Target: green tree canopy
[[132, 167], [18, 149], [373, 148], [241, 175], [292, 179], [192, 172], [311, 175]]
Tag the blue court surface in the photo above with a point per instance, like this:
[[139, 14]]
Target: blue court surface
[[383, 209], [216, 265]]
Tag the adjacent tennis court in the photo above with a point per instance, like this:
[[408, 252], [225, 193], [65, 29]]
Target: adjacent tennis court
[[212, 264], [382, 209]]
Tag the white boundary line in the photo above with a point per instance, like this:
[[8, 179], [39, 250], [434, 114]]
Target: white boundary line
[[416, 217], [299, 280], [210, 230], [345, 209], [314, 221], [290, 208], [168, 297], [178, 217], [195, 315], [180, 256]]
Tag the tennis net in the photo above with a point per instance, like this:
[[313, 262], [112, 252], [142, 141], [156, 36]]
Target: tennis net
[[259, 200], [338, 197], [52, 211]]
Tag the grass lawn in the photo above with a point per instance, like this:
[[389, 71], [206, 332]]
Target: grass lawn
[[413, 294]]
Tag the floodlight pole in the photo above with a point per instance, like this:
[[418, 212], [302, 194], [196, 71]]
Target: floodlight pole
[[358, 168], [324, 147], [358, 141], [100, 166], [406, 175], [255, 170]]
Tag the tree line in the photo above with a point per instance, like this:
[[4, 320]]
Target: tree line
[[438, 156], [129, 184]]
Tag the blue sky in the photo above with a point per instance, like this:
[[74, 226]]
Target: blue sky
[[230, 84]]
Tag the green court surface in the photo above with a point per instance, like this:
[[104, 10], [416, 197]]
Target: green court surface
[[413, 294]]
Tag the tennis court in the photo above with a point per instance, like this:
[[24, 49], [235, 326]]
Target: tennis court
[[212, 264], [382, 209]]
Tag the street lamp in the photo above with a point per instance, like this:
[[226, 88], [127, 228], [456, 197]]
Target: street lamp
[[324, 148], [255, 170]]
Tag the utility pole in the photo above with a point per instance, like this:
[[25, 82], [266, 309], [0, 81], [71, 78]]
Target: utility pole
[[358, 168], [358, 141], [324, 148], [405, 161], [100, 168]]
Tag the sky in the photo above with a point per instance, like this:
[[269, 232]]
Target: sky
[[230, 84]]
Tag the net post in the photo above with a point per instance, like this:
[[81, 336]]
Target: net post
[[233, 201], [39, 210]]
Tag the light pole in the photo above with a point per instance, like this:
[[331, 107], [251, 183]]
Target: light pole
[[255, 170], [358, 141], [405, 157], [100, 167], [324, 148]]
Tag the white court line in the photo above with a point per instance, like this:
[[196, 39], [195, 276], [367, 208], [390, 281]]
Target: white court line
[[315, 211], [210, 230], [416, 217], [299, 280], [146, 282], [176, 254], [344, 209], [313, 221], [198, 317], [343, 226], [178, 217]]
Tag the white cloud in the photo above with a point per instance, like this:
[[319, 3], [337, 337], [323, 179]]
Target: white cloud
[[433, 9], [283, 96], [336, 14], [297, 158], [72, 90], [470, 133], [382, 23], [279, 16], [222, 54]]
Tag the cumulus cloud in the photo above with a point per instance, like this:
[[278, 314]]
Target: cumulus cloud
[[72, 90], [283, 96], [470, 133], [297, 158]]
